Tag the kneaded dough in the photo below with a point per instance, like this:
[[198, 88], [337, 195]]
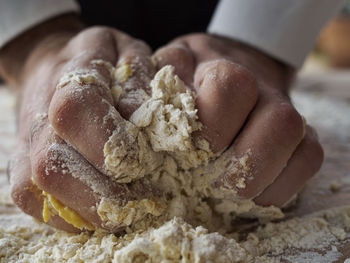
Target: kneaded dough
[[312, 238], [156, 146], [160, 128]]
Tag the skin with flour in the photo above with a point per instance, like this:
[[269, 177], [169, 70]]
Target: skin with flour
[[65, 153], [156, 146]]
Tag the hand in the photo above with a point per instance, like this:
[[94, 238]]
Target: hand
[[62, 132], [243, 103]]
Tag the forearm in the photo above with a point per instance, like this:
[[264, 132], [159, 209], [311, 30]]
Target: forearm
[[15, 54]]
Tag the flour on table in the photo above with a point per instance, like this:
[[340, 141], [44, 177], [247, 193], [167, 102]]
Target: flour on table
[[304, 239], [24, 240]]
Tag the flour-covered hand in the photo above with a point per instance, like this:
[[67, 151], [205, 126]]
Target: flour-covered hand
[[243, 103], [67, 113]]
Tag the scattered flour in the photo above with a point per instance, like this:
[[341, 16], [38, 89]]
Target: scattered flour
[[325, 112], [24, 240], [306, 239]]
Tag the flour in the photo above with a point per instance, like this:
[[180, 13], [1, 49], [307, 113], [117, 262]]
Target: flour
[[83, 77], [325, 112], [22, 239], [180, 242], [156, 145]]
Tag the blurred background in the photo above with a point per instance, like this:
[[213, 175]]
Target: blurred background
[[333, 47], [327, 69]]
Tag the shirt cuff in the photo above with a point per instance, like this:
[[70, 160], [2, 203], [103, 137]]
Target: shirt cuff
[[17, 16], [285, 30]]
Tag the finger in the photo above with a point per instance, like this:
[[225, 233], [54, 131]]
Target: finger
[[63, 173], [202, 47], [93, 44], [50, 177], [304, 163], [26, 195], [263, 147], [181, 57], [83, 113], [133, 75], [85, 118], [226, 94]]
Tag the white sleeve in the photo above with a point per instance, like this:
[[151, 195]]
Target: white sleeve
[[284, 29], [17, 16]]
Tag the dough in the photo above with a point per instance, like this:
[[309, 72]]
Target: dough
[[23, 240], [157, 146]]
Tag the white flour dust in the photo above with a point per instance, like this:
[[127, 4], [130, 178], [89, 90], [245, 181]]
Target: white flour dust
[[311, 238]]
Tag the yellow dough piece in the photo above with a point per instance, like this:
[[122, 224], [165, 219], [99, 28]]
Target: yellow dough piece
[[54, 207]]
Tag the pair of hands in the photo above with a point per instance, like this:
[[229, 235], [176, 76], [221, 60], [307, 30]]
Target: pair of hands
[[241, 96]]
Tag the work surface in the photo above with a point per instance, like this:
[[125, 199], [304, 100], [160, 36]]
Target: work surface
[[323, 98]]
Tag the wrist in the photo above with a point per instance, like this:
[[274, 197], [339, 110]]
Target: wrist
[[40, 40]]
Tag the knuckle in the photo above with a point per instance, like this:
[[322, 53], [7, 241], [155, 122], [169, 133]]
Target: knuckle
[[46, 165], [201, 42], [68, 104], [97, 31], [174, 51], [17, 194], [288, 121], [201, 38], [231, 80], [231, 73], [23, 192], [223, 65], [21, 198], [91, 35], [60, 111], [27, 197], [179, 51], [142, 45], [41, 171]]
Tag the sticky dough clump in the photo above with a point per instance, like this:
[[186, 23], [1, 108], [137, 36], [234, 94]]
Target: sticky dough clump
[[156, 145]]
